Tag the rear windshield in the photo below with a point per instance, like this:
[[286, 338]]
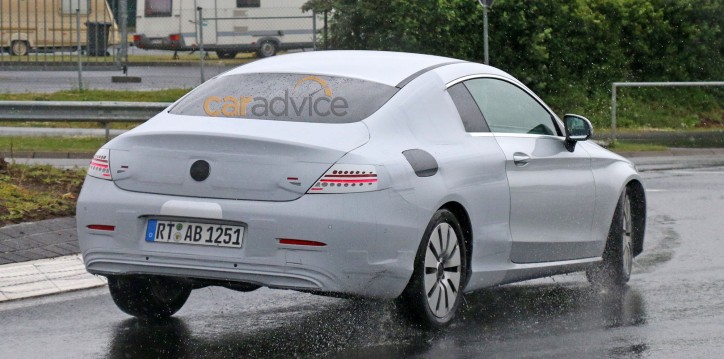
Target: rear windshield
[[286, 97]]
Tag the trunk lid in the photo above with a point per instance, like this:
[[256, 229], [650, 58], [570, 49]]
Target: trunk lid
[[247, 159]]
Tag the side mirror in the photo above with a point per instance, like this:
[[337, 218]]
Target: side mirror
[[578, 128]]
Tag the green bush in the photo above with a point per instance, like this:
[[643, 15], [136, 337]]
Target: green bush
[[569, 51]]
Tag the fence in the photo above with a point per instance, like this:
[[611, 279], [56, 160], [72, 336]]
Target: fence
[[94, 34], [39, 32]]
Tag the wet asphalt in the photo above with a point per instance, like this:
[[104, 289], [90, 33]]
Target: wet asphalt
[[672, 308]]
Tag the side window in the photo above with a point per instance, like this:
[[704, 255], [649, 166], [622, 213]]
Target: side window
[[509, 109], [469, 112], [158, 8]]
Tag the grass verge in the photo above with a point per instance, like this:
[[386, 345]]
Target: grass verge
[[645, 108], [635, 147], [169, 95], [31, 193], [10, 145]]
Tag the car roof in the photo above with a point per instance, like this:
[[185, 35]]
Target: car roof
[[390, 68]]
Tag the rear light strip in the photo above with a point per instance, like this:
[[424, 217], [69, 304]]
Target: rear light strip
[[343, 178], [100, 165]]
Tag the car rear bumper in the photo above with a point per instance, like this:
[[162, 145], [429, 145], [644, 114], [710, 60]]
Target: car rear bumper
[[371, 239]]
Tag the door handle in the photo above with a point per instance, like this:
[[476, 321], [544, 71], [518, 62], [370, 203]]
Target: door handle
[[520, 159]]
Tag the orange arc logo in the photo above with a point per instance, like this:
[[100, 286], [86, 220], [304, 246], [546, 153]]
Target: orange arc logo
[[327, 90]]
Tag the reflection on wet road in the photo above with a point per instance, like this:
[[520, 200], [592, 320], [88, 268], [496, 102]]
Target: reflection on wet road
[[673, 307], [499, 320]]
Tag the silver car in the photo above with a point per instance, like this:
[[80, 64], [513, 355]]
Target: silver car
[[356, 173]]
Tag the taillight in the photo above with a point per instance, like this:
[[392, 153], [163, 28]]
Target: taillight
[[100, 166], [174, 37], [346, 179], [136, 38], [301, 242]]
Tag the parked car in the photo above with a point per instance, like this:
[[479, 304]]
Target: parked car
[[356, 173]]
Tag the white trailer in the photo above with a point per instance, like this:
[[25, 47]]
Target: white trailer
[[229, 26]]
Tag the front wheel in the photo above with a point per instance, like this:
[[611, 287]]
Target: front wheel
[[148, 297], [615, 270], [435, 290]]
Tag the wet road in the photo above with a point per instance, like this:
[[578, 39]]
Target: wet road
[[672, 308]]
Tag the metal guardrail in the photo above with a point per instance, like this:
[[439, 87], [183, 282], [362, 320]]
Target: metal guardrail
[[103, 112], [649, 84]]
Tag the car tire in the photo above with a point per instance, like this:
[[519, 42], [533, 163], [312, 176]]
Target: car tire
[[148, 297], [19, 48], [434, 293], [615, 269], [267, 49]]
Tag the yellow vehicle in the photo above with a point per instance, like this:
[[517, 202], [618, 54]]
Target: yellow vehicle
[[50, 25]]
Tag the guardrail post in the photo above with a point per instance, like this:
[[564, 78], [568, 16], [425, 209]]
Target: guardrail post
[[108, 131]]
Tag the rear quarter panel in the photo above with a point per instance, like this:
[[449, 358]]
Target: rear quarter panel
[[471, 170]]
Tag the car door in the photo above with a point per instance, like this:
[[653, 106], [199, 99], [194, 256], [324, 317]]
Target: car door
[[552, 190]]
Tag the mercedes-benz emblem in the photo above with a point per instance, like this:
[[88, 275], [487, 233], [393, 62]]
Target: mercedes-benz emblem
[[200, 170]]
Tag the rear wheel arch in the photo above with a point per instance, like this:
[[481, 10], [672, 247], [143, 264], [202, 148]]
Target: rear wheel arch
[[462, 216], [434, 292]]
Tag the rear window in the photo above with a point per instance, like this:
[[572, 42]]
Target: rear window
[[286, 97]]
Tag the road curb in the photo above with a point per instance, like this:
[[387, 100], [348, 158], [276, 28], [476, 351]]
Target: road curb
[[45, 277]]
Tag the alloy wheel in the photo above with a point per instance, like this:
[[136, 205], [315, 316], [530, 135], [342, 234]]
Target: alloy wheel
[[442, 270]]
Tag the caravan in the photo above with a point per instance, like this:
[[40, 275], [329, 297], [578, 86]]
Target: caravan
[[47, 25], [229, 26]]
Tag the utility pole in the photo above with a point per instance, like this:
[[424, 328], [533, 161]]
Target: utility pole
[[201, 41], [123, 11], [79, 49], [485, 4]]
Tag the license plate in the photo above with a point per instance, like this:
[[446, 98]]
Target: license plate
[[204, 234]]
